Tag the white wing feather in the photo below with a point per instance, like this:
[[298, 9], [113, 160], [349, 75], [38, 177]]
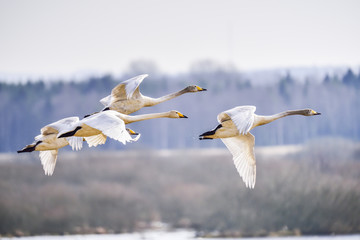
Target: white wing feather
[[63, 123], [76, 143], [48, 160], [110, 125], [242, 117], [93, 141], [132, 84], [106, 100], [242, 149], [60, 126], [123, 90]]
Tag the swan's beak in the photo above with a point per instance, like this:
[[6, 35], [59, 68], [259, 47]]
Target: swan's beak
[[205, 134], [201, 89], [182, 115], [131, 132], [315, 113]]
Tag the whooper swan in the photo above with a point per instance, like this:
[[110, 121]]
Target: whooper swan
[[126, 97], [48, 144], [234, 131], [96, 127]]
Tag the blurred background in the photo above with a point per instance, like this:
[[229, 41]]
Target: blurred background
[[59, 58]]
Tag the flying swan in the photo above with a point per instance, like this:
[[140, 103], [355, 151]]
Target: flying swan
[[48, 144], [97, 126], [126, 97], [234, 131]]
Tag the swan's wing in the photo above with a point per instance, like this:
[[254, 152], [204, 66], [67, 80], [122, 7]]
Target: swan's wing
[[93, 141], [242, 149], [132, 85], [56, 127], [106, 100], [76, 143], [39, 137], [48, 160], [126, 89], [110, 125], [242, 117]]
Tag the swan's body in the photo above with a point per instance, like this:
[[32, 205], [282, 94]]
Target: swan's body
[[48, 144], [126, 97], [110, 123], [234, 131]]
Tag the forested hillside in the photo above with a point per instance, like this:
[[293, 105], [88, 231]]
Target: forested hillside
[[26, 107], [312, 191]]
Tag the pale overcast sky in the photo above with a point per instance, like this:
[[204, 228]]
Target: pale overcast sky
[[42, 37]]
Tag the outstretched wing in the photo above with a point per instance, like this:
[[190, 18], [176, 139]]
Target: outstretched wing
[[242, 117], [242, 149], [132, 85], [124, 90], [93, 141], [56, 127], [76, 143], [110, 125], [48, 160]]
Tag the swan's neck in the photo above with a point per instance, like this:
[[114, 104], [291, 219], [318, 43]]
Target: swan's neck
[[130, 119], [154, 101], [261, 120]]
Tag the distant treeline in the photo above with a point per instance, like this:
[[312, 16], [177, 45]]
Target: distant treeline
[[26, 107], [314, 191]]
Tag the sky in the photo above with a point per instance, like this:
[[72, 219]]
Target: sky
[[66, 37]]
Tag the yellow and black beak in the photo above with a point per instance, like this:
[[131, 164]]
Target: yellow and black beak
[[201, 89], [131, 132], [315, 113], [182, 115]]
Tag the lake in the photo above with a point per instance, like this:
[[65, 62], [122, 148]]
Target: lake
[[173, 235]]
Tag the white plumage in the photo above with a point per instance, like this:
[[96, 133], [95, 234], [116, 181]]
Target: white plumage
[[126, 97], [124, 90], [233, 130], [97, 127], [48, 143]]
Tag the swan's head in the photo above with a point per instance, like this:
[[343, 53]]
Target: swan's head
[[310, 112], [176, 114], [195, 88]]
